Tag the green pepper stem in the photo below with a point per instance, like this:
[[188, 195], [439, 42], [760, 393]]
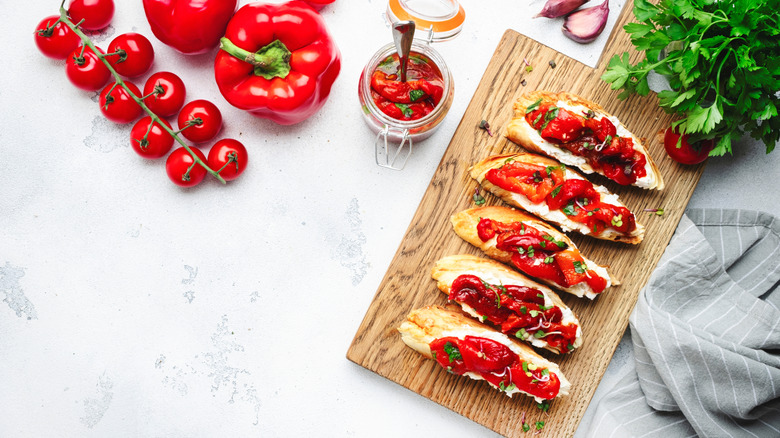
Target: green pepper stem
[[271, 61], [139, 100]]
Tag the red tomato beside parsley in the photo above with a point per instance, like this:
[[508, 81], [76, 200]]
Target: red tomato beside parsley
[[135, 56], [205, 120], [117, 105], [182, 168], [86, 71], [229, 158], [56, 42], [687, 153], [97, 14], [169, 93], [157, 141]]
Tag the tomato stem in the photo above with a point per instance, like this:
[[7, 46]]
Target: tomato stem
[[155, 118]]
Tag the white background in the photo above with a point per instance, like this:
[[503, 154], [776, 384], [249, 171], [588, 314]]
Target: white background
[[131, 307]]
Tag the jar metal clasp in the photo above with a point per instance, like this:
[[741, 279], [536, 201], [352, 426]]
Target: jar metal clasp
[[387, 153]]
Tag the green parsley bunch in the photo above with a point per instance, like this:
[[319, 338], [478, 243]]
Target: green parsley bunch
[[722, 61]]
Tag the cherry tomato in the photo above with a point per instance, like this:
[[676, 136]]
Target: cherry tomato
[[169, 93], [118, 106], [97, 14], [134, 54], [87, 71], [55, 40], [182, 168], [229, 158], [149, 139], [687, 153], [204, 120]]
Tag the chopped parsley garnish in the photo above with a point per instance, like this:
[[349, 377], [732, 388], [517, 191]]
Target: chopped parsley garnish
[[549, 260], [569, 210], [550, 169], [452, 351], [545, 405], [525, 366], [540, 295], [570, 347], [543, 244], [483, 318], [530, 251], [580, 267], [523, 310], [416, 94], [526, 427], [522, 228], [533, 106], [522, 334], [552, 113], [509, 160], [539, 425], [544, 373], [556, 191], [407, 112]]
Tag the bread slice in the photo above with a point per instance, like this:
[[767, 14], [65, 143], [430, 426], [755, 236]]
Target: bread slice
[[557, 217], [448, 269], [522, 133], [428, 324], [465, 225]]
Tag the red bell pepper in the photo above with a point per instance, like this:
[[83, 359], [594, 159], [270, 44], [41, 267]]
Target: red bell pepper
[[277, 61], [189, 26]]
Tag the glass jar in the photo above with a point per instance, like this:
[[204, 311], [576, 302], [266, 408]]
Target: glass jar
[[435, 20], [394, 138]]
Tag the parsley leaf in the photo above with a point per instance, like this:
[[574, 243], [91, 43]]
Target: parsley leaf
[[452, 351], [414, 95], [721, 60], [405, 110]]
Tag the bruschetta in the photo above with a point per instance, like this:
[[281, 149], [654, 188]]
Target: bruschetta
[[466, 347], [532, 247], [513, 303], [559, 195], [580, 133]]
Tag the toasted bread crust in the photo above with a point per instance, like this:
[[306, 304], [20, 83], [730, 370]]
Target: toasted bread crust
[[522, 133]]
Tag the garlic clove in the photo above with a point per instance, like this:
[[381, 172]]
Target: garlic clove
[[559, 8], [586, 25]]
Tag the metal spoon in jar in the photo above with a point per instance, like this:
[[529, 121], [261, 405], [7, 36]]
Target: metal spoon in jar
[[403, 34]]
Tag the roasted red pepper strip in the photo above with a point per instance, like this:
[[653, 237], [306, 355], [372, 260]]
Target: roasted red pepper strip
[[514, 307], [496, 363], [189, 26], [277, 61], [594, 139]]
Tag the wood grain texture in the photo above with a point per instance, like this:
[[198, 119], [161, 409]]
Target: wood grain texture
[[407, 284]]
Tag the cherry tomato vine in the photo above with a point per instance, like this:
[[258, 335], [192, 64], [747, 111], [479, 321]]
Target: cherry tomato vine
[[199, 166]]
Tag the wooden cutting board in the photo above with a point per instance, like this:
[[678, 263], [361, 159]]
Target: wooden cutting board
[[407, 284]]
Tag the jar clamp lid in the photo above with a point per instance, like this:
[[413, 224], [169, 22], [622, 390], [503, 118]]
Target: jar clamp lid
[[436, 20]]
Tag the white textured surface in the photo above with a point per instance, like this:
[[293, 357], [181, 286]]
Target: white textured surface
[[130, 307]]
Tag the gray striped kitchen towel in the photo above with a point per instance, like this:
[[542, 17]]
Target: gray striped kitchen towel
[[705, 335]]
